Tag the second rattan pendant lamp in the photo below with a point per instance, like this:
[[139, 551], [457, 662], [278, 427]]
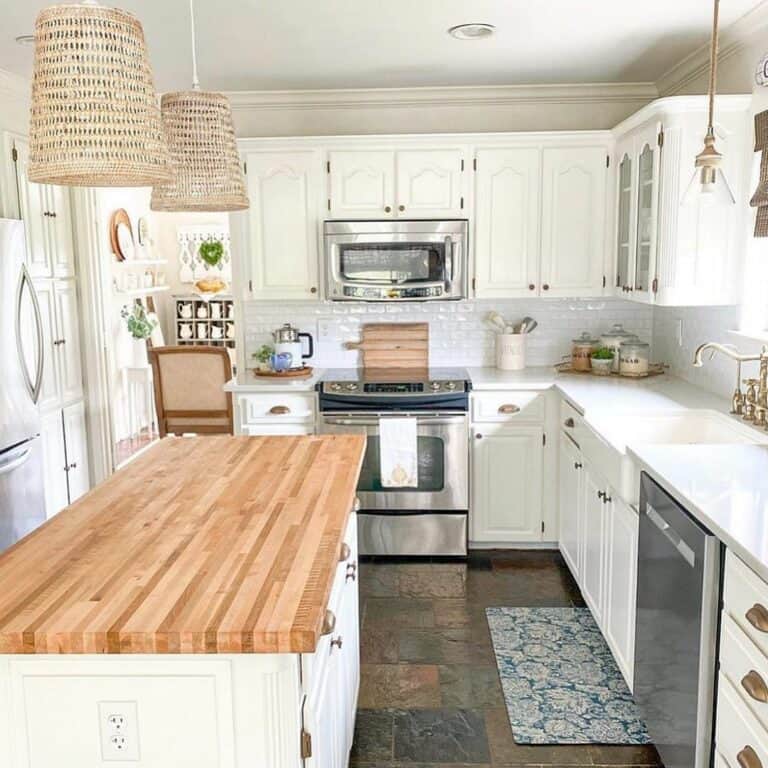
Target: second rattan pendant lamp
[[201, 136]]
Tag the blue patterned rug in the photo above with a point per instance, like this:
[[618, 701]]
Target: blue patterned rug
[[560, 681]]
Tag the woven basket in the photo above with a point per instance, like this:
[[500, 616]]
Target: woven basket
[[95, 120], [206, 164]]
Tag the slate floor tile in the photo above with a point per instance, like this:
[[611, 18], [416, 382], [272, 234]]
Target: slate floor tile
[[394, 612], [379, 645], [468, 645], [452, 613], [433, 580], [470, 687], [631, 755], [399, 685], [378, 579], [373, 735], [440, 736]]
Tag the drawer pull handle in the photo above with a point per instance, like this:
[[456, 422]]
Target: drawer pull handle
[[748, 758], [755, 686], [279, 410], [757, 616], [329, 622], [509, 408], [338, 642], [346, 551], [570, 423], [351, 572]]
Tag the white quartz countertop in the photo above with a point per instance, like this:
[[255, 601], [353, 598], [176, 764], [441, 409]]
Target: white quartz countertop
[[248, 382], [724, 486]]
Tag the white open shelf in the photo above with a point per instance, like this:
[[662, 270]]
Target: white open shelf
[[137, 292]]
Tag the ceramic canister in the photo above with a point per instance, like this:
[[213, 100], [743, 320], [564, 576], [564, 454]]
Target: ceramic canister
[[613, 340], [581, 352], [510, 351]]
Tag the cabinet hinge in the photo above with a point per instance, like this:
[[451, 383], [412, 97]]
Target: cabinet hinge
[[306, 744], [462, 203], [607, 161], [462, 163], [660, 140], [604, 281], [250, 286], [245, 168], [544, 439], [329, 203], [655, 285], [328, 166], [474, 164], [542, 526], [474, 284], [14, 154]]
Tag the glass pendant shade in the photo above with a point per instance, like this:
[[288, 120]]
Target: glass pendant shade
[[709, 185], [95, 119], [207, 175]]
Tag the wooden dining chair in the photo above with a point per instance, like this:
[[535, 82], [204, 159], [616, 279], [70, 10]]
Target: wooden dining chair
[[189, 394]]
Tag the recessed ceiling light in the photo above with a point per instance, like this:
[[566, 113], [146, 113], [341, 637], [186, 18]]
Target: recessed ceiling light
[[471, 31], [25, 39]]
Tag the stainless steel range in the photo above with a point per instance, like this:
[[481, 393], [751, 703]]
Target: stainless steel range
[[431, 518]]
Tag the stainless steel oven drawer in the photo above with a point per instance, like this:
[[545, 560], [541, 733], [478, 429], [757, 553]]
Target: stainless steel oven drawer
[[412, 534]]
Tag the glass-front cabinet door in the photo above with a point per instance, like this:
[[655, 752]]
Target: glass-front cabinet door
[[647, 159], [624, 234]]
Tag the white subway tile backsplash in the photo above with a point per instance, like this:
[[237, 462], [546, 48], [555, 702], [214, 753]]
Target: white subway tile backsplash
[[458, 333]]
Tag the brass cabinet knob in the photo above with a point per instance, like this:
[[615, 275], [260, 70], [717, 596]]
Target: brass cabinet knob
[[755, 686], [569, 422], [345, 552], [509, 408], [338, 642], [387, 209], [329, 623], [531, 287], [757, 616], [545, 286], [401, 208], [279, 410], [478, 436], [313, 289], [748, 758]]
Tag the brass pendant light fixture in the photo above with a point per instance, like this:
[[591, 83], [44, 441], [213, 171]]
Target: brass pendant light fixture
[[95, 120], [201, 136], [709, 184]]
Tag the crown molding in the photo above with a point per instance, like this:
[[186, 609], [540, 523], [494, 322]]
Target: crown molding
[[14, 86], [732, 40], [406, 98]]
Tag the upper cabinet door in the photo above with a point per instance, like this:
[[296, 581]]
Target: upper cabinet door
[[68, 341], [60, 235], [625, 201], [429, 183], [283, 225], [507, 222], [34, 207], [573, 221], [362, 184]]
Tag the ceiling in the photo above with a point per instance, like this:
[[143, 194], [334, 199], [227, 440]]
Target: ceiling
[[303, 44]]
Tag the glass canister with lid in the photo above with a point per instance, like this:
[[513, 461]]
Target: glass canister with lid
[[581, 352], [613, 340], [635, 358]]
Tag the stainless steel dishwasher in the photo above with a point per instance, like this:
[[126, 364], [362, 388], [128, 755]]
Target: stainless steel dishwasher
[[678, 595]]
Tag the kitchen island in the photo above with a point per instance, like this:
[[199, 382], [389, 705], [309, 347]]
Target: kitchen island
[[199, 608]]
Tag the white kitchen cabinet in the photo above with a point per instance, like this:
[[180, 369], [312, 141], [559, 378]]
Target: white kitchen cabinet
[[54, 463], [571, 504], [430, 183], [66, 345], [507, 483], [362, 184], [507, 216], [593, 542], [625, 220], [573, 220], [76, 450], [682, 254], [622, 533], [282, 226]]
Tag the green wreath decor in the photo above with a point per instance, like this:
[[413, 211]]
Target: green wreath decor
[[211, 252]]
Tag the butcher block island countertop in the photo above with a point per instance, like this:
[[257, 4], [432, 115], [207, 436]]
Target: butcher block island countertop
[[202, 545]]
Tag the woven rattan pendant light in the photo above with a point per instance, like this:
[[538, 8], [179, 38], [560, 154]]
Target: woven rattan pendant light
[[201, 138], [95, 120]]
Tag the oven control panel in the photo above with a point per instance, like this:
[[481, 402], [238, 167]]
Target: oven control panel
[[396, 388]]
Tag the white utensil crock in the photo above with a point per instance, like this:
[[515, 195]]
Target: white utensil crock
[[510, 351]]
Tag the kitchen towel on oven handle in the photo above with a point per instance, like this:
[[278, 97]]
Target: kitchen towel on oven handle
[[398, 453]]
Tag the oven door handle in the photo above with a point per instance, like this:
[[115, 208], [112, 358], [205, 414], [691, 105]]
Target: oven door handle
[[352, 421], [448, 262]]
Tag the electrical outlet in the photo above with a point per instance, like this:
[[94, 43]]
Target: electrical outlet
[[119, 728]]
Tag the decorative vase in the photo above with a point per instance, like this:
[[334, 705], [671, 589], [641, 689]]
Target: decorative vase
[[138, 353]]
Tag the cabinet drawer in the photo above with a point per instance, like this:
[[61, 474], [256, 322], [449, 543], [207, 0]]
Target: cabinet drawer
[[738, 732], [746, 668], [277, 407], [746, 601], [508, 406]]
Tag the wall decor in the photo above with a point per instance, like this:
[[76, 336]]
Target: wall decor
[[143, 232], [121, 235], [760, 198], [81, 134], [192, 265]]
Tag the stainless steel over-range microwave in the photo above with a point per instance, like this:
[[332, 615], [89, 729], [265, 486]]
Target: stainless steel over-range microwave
[[396, 260]]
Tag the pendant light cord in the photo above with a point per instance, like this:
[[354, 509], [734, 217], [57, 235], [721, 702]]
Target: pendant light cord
[[712, 68], [195, 81]]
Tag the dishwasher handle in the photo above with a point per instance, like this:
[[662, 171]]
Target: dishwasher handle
[[674, 537]]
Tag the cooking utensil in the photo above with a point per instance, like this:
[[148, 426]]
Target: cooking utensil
[[528, 324], [496, 320]]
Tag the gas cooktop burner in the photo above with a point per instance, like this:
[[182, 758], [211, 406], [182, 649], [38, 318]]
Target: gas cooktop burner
[[394, 383]]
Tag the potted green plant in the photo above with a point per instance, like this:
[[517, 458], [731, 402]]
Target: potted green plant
[[602, 361], [211, 252], [262, 356], [140, 325]]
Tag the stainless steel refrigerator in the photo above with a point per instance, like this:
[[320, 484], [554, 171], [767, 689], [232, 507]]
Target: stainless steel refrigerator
[[22, 497]]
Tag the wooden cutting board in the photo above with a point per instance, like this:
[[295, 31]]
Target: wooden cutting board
[[394, 345]]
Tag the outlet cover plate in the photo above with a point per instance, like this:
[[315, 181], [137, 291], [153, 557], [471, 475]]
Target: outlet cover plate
[[119, 731]]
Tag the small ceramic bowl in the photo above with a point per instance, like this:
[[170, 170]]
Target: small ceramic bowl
[[281, 362], [602, 367]]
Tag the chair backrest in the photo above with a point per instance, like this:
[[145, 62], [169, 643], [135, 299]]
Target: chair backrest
[[189, 394]]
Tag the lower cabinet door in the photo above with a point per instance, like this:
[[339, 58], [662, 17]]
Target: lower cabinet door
[[54, 463], [76, 446], [621, 584], [593, 556], [507, 484], [571, 499]]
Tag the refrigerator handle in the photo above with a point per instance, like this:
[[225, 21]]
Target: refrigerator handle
[[16, 462], [33, 387]]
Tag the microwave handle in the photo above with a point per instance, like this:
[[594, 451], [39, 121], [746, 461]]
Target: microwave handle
[[448, 261]]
